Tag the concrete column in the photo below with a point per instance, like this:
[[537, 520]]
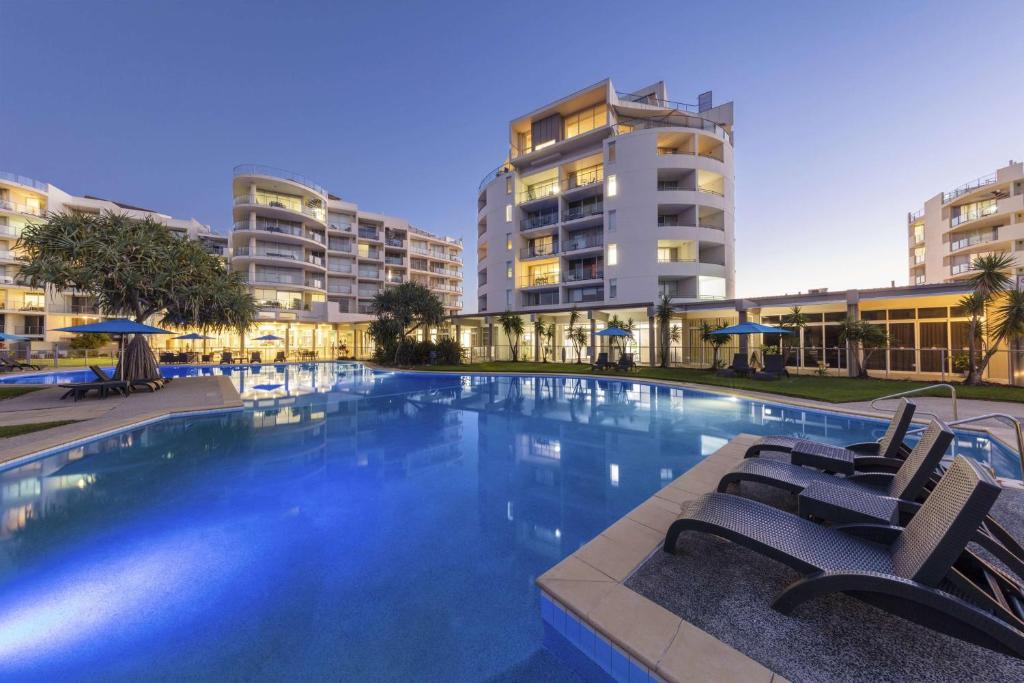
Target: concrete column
[[650, 342], [536, 338], [593, 339], [853, 313], [490, 340], [744, 339]]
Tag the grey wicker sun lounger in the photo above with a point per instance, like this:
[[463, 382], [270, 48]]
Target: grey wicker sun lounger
[[906, 484], [923, 573], [151, 384], [849, 458]]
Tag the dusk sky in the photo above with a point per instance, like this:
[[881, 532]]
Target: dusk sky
[[848, 115]]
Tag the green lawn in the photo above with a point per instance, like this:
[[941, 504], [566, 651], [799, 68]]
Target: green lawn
[[15, 430], [13, 390], [831, 389]]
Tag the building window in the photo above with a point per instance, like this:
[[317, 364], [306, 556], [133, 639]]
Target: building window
[[613, 254], [482, 302], [509, 297], [586, 120], [508, 269], [508, 240], [508, 213], [611, 152], [613, 288], [613, 186], [508, 185], [611, 220]]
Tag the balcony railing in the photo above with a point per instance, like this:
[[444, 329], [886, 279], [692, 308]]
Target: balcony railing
[[394, 260], [257, 169], [959, 268], [369, 234], [339, 289], [971, 240], [578, 274], [7, 256], [987, 210], [657, 102], [23, 180], [345, 247], [541, 299], [916, 260], [584, 177], [538, 220], [676, 259], [268, 253], [9, 231], [709, 190], [294, 231], [627, 125], [539, 250], [6, 279], [543, 280], [539, 191], [337, 268], [969, 186], [582, 242], [915, 216], [315, 260], [275, 279], [668, 185], [574, 213], [578, 296], [315, 212], [369, 274], [8, 205], [315, 283], [392, 242]]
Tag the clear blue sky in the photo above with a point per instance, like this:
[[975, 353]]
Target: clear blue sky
[[847, 114]]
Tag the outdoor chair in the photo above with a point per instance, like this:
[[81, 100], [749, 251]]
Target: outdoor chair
[[207, 358], [181, 358], [14, 364], [923, 572], [625, 363], [78, 390], [601, 363], [254, 358], [740, 367], [226, 358], [279, 358], [166, 357], [774, 368], [859, 489], [886, 453], [151, 384]]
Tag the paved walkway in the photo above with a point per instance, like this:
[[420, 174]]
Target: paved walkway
[[98, 416]]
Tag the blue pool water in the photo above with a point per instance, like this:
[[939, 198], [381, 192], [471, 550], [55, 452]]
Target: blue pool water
[[355, 526]]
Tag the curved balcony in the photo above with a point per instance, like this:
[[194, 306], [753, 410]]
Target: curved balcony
[[288, 282], [629, 124], [280, 233], [278, 174], [24, 209], [274, 207], [24, 181]]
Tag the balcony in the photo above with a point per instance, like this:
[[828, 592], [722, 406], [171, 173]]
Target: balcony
[[669, 258], [315, 260], [23, 180], [339, 289], [369, 274], [7, 205], [583, 242], [279, 229], [394, 260], [339, 268], [575, 213], [369, 234], [969, 186], [581, 274], [549, 279], [315, 212], [627, 125], [246, 252], [916, 260], [10, 231], [395, 279], [539, 191], [584, 295], [392, 242], [274, 279], [536, 251], [539, 220], [586, 177], [972, 240], [980, 211], [271, 172], [960, 268], [541, 299], [315, 283]]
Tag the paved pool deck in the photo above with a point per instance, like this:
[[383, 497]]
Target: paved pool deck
[[97, 416]]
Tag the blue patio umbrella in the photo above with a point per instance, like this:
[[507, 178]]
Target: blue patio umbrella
[[613, 332], [269, 337], [114, 326], [193, 336], [11, 337], [752, 328]]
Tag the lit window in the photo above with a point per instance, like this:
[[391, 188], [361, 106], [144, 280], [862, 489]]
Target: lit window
[[508, 298], [508, 185], [613, 254], [508, 240], [613, 474], [508, 269], [613, 186], [611, 152], [612, 220], [613, 288], [508, 213]]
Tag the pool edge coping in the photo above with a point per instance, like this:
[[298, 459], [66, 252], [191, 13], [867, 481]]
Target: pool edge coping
[[584, 597]]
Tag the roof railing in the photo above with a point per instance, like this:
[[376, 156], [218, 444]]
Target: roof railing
[[969, 186], [257, 169], [23, 180]]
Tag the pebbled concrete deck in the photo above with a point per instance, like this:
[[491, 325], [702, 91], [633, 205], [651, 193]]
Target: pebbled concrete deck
[[99, 416]]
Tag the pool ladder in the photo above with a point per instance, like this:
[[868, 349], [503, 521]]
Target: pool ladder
[[956, 422]]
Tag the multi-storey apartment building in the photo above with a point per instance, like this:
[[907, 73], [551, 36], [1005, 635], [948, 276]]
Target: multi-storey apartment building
[[983, 216], [609, 197], [312, 256], [35, 314]]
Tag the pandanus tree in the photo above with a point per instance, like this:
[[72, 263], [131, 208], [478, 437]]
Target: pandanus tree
[[578, 336], [399, 312], [865, 338], [709, 335], [667, 332], [138, 269]]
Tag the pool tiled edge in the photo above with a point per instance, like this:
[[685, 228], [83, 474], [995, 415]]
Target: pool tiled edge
[[630, 638]]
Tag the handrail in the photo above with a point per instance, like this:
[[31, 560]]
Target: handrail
[[952, 391], [1014, 422]]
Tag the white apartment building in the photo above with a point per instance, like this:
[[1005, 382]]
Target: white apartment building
[[611, 198], [35, 313], [311, 257], [983, 216]]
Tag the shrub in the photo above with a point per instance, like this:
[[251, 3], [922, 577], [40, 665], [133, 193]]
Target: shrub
[[449, 352]]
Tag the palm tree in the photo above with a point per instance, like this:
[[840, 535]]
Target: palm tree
[[991, 280], [512, 325], [577, 335], [540, 331], [716, 341], [866, 339], [665, 329]]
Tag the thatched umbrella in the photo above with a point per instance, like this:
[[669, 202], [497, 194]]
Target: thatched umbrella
[[135, 360]]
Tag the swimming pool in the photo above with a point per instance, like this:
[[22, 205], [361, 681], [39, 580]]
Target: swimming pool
[[385, 525]]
